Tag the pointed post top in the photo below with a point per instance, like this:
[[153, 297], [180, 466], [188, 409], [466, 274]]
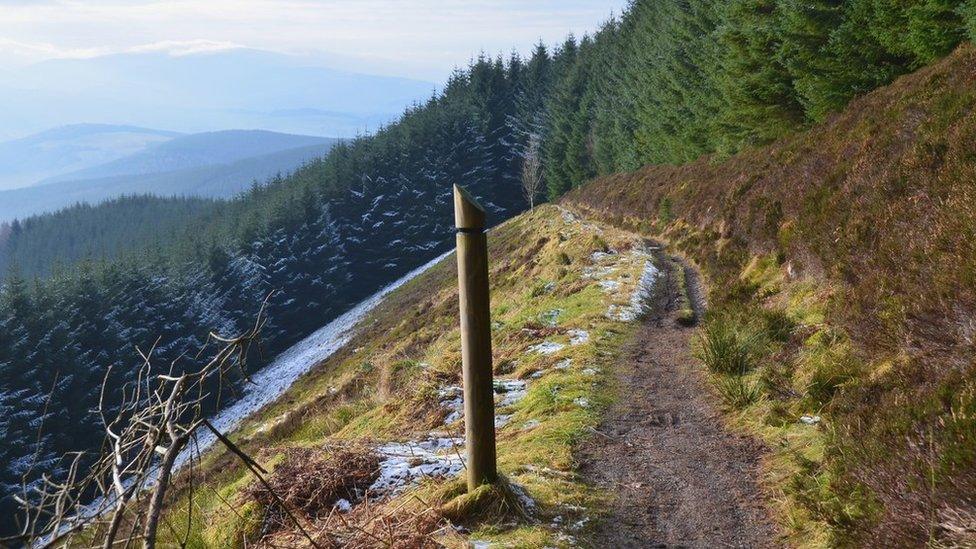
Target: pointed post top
[[468, 214]]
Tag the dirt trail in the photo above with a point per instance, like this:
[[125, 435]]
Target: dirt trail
[[681, 479]]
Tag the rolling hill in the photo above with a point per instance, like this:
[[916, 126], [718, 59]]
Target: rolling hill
[[195, 151], [214, 165], [66, 149]]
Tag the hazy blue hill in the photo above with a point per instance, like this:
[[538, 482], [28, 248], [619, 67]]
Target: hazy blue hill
[[198, 150], [66, 149], [214, 181], [241, 88]]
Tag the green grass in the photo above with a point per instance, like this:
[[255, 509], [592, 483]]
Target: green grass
[[387, 388], [727, 347], [739, 392]]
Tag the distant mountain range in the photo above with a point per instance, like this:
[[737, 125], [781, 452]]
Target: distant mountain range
[[240, 88], [66, 149], [197, 150], [213, 164]]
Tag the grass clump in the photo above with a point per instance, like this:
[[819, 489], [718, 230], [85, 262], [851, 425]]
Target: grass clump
[[488, 504], [826, 364], [727, 347], [739, 391]]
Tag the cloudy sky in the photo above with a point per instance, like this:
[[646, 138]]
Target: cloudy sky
[[419, 38]]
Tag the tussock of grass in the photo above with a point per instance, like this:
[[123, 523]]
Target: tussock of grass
[[489, 504], [738, 391], [727, 347]]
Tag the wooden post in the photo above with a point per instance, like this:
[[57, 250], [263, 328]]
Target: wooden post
[[479, 394]]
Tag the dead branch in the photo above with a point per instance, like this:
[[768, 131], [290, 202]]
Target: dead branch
[[124, 487]]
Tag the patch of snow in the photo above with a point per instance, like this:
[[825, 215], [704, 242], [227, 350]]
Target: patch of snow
[[598, 272], [451, 399], [645, 286], [609, 286], [528, 504], [564, 364], [578, 337], [508, 392], [810, 420], [597, 257], [273, 380], [620, 313], [546, 348], [449, 392], [567, 539], [343, 506], [511, 391], [404, 464]]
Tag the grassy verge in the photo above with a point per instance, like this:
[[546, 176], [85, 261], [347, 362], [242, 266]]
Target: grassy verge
[[554, 279]]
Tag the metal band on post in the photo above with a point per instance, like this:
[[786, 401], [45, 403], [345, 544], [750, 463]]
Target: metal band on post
[[479, 396]]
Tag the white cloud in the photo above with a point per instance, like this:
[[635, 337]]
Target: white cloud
[[178, 48]]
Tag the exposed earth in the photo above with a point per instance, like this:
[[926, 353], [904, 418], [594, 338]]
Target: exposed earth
[[680, 478]]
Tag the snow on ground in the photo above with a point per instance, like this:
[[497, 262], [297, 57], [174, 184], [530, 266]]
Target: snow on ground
[[546, 348], [642, 294], [508, 392], [578, 337], [273, 380], [403, 464]]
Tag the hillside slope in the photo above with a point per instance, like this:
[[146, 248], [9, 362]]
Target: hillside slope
[[41, 245], [851, 249], [566, 294]]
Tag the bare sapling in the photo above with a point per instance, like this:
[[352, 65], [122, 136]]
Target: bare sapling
[[532, 172]]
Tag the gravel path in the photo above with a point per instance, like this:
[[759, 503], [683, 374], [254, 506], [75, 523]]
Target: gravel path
[[680, 478]]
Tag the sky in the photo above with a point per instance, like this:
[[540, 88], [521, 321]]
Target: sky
[[422, 39]]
